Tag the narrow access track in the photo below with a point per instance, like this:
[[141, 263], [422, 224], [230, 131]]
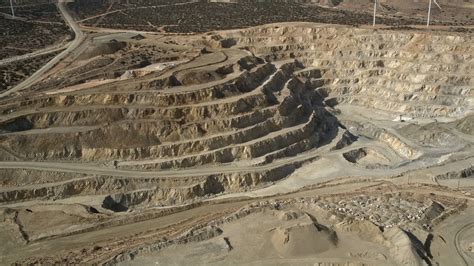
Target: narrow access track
[[457, 243], [44, 51]]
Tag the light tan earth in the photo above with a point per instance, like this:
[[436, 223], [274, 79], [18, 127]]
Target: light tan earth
[[282, 144]]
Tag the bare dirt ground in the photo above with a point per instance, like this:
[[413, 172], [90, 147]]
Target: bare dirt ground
[[287, 143]]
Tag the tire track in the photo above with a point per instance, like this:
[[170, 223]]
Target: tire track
[[457, 243]]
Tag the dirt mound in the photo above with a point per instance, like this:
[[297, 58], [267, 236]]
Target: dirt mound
[[365, 229], [203, 76], [304, 237], [103, 48], [289, 215], [403, 250]]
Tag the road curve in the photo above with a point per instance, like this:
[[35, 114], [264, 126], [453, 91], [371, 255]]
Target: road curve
[[457, 243], [79, 37]]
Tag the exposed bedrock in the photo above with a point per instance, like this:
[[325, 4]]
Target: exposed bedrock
[[256, 115], [130, 192], [417, 74], [260, 115], [267, 114]]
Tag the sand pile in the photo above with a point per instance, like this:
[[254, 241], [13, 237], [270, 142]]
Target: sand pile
[[365, 229], [403, 250], [302, 237], [98, 49]]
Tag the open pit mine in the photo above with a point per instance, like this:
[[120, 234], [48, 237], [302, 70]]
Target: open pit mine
[[155, 132]]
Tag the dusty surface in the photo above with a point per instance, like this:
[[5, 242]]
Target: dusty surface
[[289, 143]]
